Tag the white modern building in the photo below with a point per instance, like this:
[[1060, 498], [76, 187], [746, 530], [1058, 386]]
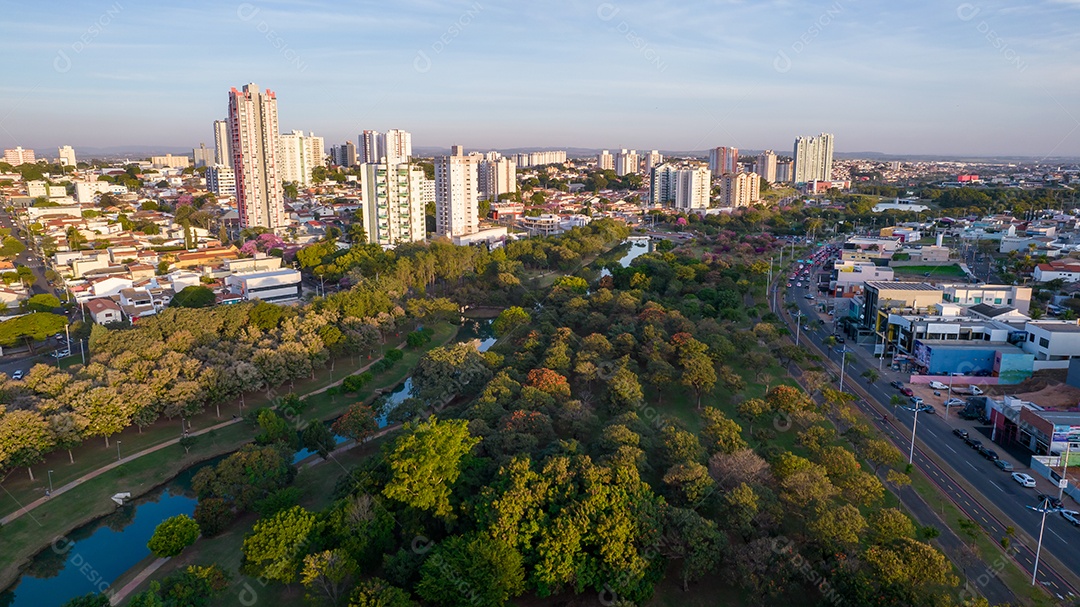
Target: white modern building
[[765, 166], [170, 161], [1053, 343], [652, 160], [86, 191], [813, 158], [221, 180], [370, 148], [605, 161], [626, 162], [18, 156], [531, 159], [203, 156], [222, 148], [272, 285], [298, 155], [253, 130], [397, 146], [739, 189], [1018, 297], [682, 188], [393, 209], [456, 195], [66, 156], [496, 177]]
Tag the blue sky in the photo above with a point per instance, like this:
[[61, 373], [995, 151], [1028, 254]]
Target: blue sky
[[919, 77]]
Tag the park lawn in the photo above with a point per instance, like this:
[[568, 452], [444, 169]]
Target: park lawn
[[30, 533], [952, 271]]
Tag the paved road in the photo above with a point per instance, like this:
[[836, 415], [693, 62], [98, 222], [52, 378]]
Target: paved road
[[986, 479], [28, 258]]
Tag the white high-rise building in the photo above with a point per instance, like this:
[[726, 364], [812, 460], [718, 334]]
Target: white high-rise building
[[739, 189], [370, 149], [652, 160], [222, 140], [344, 155], [66, 156], [783, 171], [203, 156], [221, 180], [397, 146], [683, 188], [605, 161], [298, 155], [530, 159], [253, 136], [813, 158], [18, 156], [393, 205], [456, 195], [626, 162], [765, 166], [496, 177]]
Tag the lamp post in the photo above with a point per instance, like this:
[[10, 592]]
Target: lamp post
[[798, 327], [914, 425], [118, 450], [50, 482], [1064, 479], [1038, 549], [843, 357]]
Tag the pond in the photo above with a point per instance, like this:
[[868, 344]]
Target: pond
[[639, 245], [93, 556], [96, 554]]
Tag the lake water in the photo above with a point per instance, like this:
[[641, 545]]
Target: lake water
[[638, 247]]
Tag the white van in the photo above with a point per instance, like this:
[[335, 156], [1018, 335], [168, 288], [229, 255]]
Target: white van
[[938, 385]]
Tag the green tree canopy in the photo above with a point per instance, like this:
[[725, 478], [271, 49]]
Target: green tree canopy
[[425, 463], [173, 535], [194, 296], [30, 328]]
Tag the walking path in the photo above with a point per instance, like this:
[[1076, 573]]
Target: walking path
[[117, 597]]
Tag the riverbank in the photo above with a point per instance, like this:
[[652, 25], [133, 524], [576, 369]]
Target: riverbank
[[27, 535]]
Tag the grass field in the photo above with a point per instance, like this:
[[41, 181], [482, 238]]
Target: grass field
[[951, 271]]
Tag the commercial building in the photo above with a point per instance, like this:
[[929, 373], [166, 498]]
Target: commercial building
[[1067, 270], [298, 155], [222, 141], [66, 156], [765, 166], [861, 248], [626, 162], [253, 129], [531, 159], [813, 158], [605, 161], [456, 194], [221, 180], [739, 189], [682, 188], [880, 298], [272, 285], [1018, 297], [18, 156], [723, 160], [203, 156], [498, 176], [393, 210], [1053, 343], [848, 276], [168, 160]]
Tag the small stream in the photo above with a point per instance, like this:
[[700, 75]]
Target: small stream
[[96, 554], [638, 247]]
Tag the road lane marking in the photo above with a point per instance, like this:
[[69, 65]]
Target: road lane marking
[[953, 450]]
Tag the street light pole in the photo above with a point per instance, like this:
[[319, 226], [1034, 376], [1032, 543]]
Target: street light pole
[[50, 482], [1038, 549], [1064, 479], [843, 356], [118, 450], [914, 425], [798, 327]]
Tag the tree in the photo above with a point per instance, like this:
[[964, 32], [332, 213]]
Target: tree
[[327, 575], [888, 525], [43, 302], [94, 599], [273, 549], [444, 373], [871, 375], [376, 592], [720, 433], [624, 390], [213, 515], [425, 463], [318, 438], [173, 535], [25, 437], [510, 319], [881, 452], [273, 428], [472, 571], [246, 476], [31, 328], [357, 423], [696, 541], [194, 296]]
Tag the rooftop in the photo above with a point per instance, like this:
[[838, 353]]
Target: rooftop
[[901, 286], [1056, 327]]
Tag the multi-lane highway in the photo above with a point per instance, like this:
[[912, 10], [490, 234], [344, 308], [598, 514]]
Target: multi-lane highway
[[988, 495]]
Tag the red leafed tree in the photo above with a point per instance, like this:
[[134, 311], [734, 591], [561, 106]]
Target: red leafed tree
[[548, 381]]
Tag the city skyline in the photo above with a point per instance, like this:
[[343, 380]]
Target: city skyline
[[978, 80]]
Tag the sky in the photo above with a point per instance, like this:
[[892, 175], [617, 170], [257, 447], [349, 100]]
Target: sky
[[935, 77]]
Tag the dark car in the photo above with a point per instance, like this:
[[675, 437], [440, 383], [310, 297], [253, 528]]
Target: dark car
[[1004, 465], [839, 339], [1050, 500], [960, 432], [974, 444], [988, 454], [897, 384]]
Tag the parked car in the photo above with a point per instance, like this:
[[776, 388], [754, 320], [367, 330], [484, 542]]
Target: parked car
[[810, 296], [1004, 465], [1024, 479], [969, 414], [973, 443], [955, 402], [916, 400], [1071, 517], [960, 432], [18, 374], [938, 385], [1051, 500], [906, 392], [988, 454], [899, 385]]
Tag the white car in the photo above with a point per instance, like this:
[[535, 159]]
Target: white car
[[18, 374], [975, 391], [955, 402], [938, 385], [1024, 479], [1070, 515]]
